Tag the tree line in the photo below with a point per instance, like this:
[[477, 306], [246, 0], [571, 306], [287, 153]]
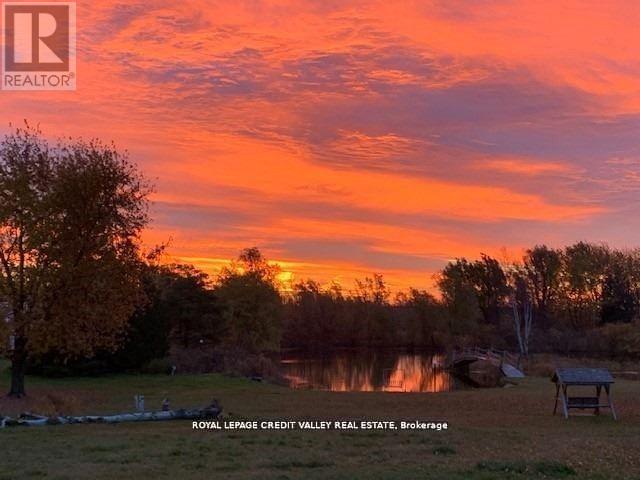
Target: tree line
[[582, 299]]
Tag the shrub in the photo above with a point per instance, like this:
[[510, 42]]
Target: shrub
[[622, 340], [242, 363], [554, 469], [158, 366]]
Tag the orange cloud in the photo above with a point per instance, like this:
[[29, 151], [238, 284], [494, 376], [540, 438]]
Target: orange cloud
[[345, 138], [285, 173], [524, 167]]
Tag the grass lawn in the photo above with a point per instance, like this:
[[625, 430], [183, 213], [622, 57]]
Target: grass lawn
[[504, 433]]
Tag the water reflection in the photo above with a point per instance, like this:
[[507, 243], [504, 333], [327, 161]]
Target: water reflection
[[365, 372]]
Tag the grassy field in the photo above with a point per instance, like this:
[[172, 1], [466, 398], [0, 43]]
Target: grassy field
[[506, 433]]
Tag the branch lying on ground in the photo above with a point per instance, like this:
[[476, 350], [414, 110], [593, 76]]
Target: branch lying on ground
[[28, 419]]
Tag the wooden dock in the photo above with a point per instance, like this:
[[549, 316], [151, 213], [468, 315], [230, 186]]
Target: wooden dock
[[507, 362]]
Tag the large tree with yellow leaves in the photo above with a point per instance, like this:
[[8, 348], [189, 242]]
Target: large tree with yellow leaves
[[70, 219]]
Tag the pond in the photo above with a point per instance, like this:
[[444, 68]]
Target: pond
[[370, 371]]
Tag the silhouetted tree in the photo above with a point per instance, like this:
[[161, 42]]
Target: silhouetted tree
[[428, 321], [70, 218], [189, 305], [542, 268], [490, 283], [459, 296], [620, 300], [371, 297], [251, 303], [582, 281], [484, 277], [315, 318]]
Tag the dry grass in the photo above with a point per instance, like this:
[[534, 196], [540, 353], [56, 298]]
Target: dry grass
[[544, 365], [494, 434]]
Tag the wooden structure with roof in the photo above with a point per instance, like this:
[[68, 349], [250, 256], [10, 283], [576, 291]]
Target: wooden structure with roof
[[599, 378]]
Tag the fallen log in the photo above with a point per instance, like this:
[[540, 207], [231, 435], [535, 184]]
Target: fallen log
[[32, 420]]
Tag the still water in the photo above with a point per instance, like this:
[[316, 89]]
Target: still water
[[370, 371]]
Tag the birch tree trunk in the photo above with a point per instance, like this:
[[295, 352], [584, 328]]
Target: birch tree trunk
[[523, 326], [518, 328]]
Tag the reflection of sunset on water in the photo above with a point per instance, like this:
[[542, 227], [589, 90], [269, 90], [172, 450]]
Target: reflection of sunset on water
[[415, 373], [349, 372]]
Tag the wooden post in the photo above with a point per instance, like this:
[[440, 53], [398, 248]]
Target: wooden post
[[610, 402], [598, 391], [565, 407]]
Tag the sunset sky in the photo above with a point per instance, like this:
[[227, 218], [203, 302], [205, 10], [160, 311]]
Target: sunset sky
[[344, 138]]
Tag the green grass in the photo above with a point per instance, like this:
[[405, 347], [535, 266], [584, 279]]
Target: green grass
[[493, 434]]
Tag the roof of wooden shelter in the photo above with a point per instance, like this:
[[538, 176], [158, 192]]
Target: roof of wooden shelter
[[582, 376]]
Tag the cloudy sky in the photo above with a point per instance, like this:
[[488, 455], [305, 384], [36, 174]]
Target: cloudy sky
[[345, 137]]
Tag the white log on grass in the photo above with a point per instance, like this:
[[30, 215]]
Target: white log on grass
[[31, 420]]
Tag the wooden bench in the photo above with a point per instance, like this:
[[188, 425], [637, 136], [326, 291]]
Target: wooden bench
[[600, 378]]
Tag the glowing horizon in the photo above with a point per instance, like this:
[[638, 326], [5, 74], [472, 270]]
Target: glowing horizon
[[347, 138]]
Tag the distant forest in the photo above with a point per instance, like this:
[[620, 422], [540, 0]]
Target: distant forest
[[583, 299]]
